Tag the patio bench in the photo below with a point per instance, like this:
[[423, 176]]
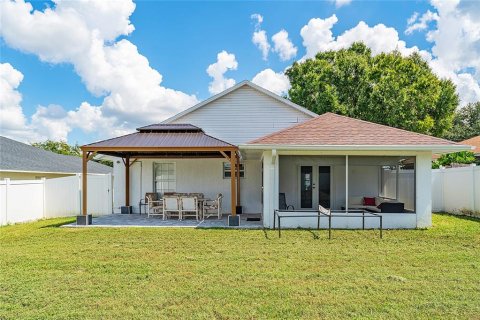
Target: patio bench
[[279, 214]]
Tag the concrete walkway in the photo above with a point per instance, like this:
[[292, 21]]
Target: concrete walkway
[[136, 220]]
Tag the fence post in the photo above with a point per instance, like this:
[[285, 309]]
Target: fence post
[[442, 174], [79, 177], [44, 185], [474, 189], [7, 185]]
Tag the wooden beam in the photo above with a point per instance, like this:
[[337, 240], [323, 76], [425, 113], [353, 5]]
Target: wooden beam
[[134, 160], [238, 179], [159, 149], [127, 180], [233, 175], [90, 155], [84, 182], [225, 155]]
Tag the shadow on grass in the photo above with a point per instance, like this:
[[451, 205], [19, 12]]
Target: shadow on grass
[[266, 234], [58, 224], [458, 216], [315, 236]]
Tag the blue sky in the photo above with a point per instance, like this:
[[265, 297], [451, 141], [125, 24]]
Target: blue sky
[[181, 39]]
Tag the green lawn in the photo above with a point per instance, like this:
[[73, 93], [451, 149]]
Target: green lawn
[[134, 273]]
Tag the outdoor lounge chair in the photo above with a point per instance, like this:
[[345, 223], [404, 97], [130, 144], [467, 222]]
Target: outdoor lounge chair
[[171, 206], [189, 207], [213, 205], [154, 207]]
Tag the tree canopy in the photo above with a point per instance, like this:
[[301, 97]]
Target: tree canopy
[[388, 88], [462, 157], [60, 147], [466, 123]]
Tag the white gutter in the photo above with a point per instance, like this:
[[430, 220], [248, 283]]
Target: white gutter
[[50, 172], [433, 148]]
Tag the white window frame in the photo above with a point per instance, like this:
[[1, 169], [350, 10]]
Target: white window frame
[[226, 169], [174, 180]]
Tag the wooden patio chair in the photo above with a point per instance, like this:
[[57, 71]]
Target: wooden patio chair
[[213, 205], [189, 207], [171, 206], [154, 206], [144, 202]]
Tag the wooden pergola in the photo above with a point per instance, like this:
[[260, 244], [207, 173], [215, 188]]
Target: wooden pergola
[[163, 142]]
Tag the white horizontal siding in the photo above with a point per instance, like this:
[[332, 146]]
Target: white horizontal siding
[[192, 175], [243, 115]]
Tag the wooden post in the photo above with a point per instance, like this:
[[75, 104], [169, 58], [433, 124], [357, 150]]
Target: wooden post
[[84, 182], [238, 180], [233, 175], [346, 183], [127, 180]]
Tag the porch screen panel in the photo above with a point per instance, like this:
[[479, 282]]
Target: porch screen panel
[[165, 177]]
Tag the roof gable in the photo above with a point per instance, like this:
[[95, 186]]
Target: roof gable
[[330, 129], [235, 87]]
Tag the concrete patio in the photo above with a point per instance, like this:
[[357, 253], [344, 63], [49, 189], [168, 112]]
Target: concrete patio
[[136, 220]]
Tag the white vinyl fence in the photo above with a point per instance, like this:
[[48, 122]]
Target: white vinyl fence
[[454, 189], [28, 200]]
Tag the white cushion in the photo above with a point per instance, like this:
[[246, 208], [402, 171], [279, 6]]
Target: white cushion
[[373, 208], [323, 210], [378, 200]]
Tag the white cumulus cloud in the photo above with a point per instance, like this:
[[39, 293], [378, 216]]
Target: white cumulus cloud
[[456, 45], [259, 37], [416, 22], [276, 82], [12, 120], [318, 36], [456, 42], [283, 46], [341, 3], [84, 34], [225, 62]]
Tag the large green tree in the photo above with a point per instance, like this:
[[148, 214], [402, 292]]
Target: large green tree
[[60, 147], [466, 123], [388, 88]]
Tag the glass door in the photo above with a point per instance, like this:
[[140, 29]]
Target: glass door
[[306, 187], [324, 186]]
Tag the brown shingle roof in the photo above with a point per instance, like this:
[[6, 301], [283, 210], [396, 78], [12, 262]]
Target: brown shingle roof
[[330, 129], [474, 142]]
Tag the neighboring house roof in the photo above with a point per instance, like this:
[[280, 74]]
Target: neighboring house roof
[[474, 142], [163, 136], [332, 130], [16, 156], [235, 87]]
